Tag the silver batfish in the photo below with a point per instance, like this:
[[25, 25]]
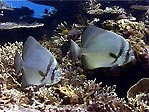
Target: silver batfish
[[101, 48], [38, 65]]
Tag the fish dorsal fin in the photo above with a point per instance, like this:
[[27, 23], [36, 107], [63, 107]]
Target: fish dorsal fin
[[35, 56], [90, 33], [30, 45]]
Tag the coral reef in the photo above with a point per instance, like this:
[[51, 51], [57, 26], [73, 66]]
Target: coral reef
[[107, 100], [94, 9], [73, 93], [4, 6], [11, 25], [66, 32], [138, 95], [139, 11]]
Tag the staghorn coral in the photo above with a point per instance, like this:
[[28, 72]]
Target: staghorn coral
[[107, 101], [7, 63], [114, 9], [93, 8], [140, 103]]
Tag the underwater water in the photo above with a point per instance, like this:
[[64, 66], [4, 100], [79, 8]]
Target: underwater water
[[25, 12], [52, 51], [37, 8]]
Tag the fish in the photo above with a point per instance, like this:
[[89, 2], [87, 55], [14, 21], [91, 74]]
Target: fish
[[38, 65], [101, 48]]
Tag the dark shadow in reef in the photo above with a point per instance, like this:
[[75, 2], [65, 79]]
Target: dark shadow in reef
[[21, 34], [124, 78]]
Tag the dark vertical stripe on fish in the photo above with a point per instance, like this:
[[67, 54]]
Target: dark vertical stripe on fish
[[120, 52], [127, 55]]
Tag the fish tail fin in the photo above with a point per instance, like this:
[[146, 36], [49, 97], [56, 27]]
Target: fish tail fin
[[18, 62], [75, 50]]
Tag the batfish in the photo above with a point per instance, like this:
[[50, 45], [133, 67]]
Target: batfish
[[38, 65], [101, 48]]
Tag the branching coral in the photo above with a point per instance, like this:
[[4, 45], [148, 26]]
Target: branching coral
[[114, 9], [125, 26], [141, 102], [92, 7], [88, 90], [7, 61], [107, 101], [8, 79]]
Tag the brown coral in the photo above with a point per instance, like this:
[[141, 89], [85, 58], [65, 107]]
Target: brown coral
[[107, 101], [138, 95]]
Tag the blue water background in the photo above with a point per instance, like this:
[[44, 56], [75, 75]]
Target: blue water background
[[38, 9]]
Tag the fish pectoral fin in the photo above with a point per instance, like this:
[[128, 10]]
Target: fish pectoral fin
[[42, 74], [113, 55]]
